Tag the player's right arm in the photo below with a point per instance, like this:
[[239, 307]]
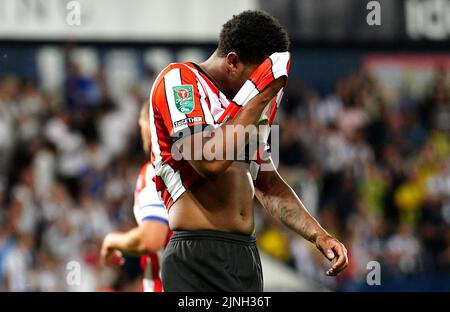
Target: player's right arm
[[222, 138], [147, 238], [204, 163]]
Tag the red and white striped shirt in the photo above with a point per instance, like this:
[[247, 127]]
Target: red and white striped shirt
[[182, 97]]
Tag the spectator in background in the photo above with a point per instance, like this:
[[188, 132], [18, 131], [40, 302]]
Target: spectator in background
[[9, 88]]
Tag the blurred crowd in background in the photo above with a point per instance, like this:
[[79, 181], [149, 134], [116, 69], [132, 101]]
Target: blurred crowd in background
[[374, 169], [68, 167]]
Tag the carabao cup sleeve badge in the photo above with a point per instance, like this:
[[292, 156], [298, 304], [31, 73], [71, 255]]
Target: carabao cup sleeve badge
[[184, 98]]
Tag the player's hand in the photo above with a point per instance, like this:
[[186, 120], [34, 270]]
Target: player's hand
[[110, 256], [334, 251]]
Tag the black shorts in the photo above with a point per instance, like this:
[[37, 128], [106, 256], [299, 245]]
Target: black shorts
[[211, 261]]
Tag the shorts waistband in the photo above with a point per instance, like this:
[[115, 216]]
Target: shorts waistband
[[245, 239]]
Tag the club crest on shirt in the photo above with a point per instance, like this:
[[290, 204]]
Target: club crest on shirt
[[184, 98]]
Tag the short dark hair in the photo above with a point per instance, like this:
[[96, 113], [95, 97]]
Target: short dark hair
[[253, 35]]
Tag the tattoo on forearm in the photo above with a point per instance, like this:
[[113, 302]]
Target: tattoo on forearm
[[294, 217]]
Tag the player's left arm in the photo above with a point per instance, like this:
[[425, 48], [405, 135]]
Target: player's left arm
[[278, 198]]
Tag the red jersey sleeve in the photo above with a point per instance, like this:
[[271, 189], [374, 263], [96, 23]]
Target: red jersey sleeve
[[181, 101]]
